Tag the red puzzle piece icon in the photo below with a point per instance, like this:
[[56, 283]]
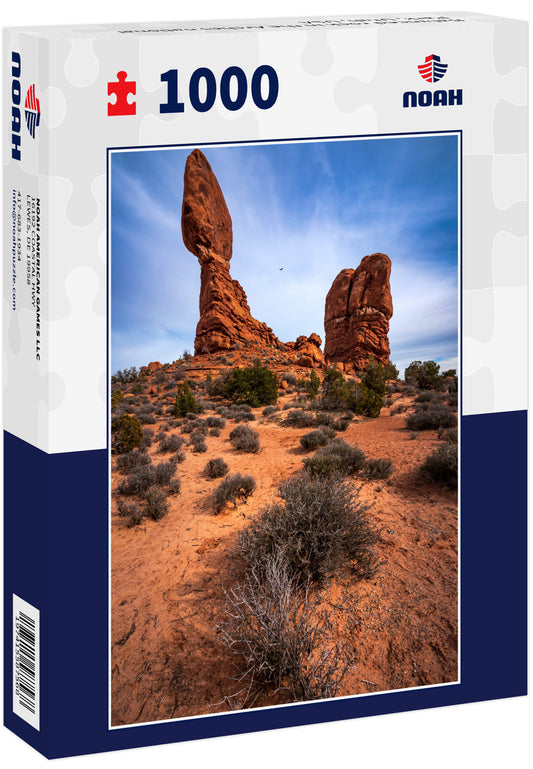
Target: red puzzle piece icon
[[121, 89]]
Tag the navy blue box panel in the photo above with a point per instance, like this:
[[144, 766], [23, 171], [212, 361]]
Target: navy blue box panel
[[56, 558]]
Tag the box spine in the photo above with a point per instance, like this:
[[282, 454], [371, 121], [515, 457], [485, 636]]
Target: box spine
[[25, 387]]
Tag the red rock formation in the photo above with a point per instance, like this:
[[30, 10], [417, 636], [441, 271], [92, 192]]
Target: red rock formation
[[307, 351], [225, 317], [358, 310], [151, 367]]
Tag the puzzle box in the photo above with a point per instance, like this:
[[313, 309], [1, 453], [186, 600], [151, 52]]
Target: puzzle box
[[265, 373]]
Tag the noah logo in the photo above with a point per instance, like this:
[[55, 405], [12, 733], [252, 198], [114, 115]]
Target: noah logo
[[15, 105], [433, 70], [32, 110]]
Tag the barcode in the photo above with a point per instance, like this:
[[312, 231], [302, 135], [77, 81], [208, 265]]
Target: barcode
[[26, 661]]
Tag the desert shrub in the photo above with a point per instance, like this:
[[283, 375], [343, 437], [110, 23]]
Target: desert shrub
[[269, 410], [191, 415], [366, 401], [290, 378], [375, 376], [365, 397], [391, 371], [240, 407], [143, 477], [185, 401], [398, 409], [215, 422], [147, 419], [146, 442], [216, 468], [116, 398], [321, 526], [163, 472], [178, 457], [313, 385], [126, 463], [336, 392], [325, 419], [255, 385], [138, 482], [170, 444], [174, 487], [156, 505], [431, 417], [244, 438], [337, 458], [299, 418], [424, 375], [429, 396], [452, 399], [234, 488], [131, 511], [126, 376], [123, 407], [441, 465], [244, 416], [378, 468], [215, 432], [198, 442], [281, 635], [450, 435], [316, 438], [126, 433], [341, 424]]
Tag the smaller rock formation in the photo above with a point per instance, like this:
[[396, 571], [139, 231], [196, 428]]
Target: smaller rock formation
[[151, 367], [358, 310], [307, 350]]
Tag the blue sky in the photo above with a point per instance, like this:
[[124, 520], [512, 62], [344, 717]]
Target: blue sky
[[312, 208]]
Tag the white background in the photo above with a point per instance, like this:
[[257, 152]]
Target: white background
[[492, 735]]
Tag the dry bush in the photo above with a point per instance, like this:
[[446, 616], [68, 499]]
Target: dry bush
[[280, 635], [129, 462], [131, 511], [299, 418], [316, 438], [378, 468], [216, 468], [169, 444], [244, 438], [431, 417], [337, 458], [217, 422], [198, 442], [321, 526], [234, 488], [156, 506], [142, 478], [441, 465]]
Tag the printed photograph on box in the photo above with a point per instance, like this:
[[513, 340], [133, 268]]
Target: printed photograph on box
[[284, 324]]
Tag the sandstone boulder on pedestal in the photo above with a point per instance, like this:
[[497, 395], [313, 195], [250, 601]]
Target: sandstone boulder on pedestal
[[225, 317], [358, 310]]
